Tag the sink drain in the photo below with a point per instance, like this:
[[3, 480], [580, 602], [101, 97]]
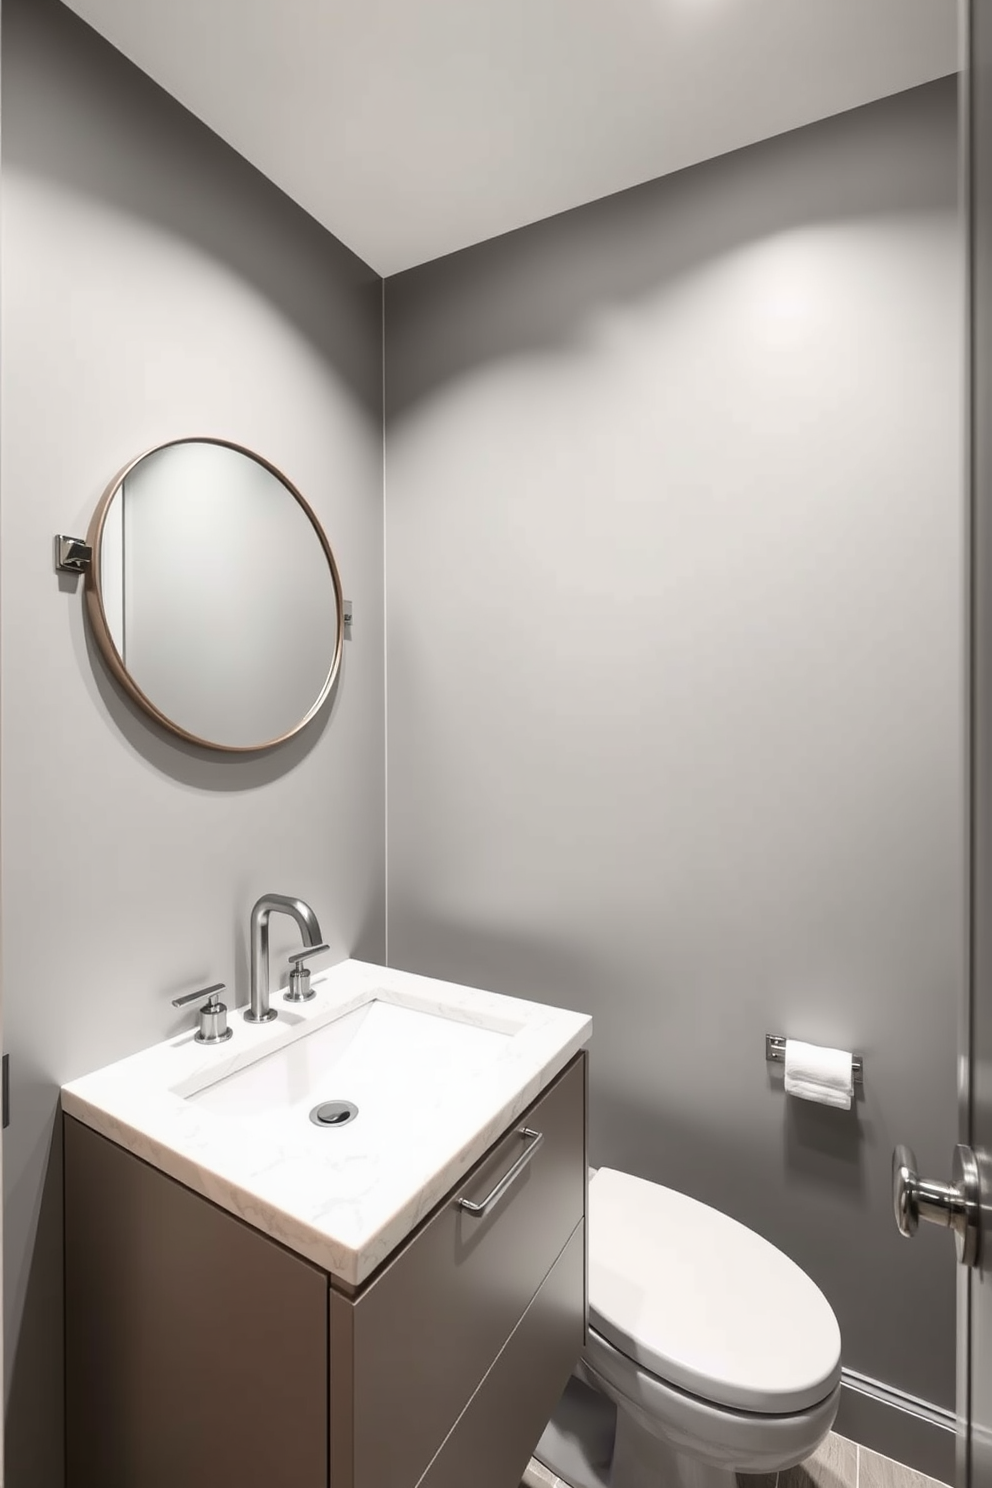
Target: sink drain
[[333, 1113]]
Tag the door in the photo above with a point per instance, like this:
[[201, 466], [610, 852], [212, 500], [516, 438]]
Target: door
[[965, 1204], [975, 1284]]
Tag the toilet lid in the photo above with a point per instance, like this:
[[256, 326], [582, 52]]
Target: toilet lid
[[702, 1302]]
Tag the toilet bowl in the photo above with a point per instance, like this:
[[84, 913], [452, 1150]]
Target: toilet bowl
[[719, 1353]]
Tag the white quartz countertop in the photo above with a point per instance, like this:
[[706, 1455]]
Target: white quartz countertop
[[347, 1197]]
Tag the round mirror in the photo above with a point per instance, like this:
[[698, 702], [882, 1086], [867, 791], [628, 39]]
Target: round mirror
[[214, 594]]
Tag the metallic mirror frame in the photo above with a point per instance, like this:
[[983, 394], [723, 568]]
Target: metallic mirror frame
[[98, 615]]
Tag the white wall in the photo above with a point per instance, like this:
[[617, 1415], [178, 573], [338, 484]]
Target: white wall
[[154, 286], [675, 616]]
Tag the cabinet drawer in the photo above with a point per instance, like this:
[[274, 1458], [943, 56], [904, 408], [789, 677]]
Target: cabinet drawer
[[502, 1423], [409, 1351]]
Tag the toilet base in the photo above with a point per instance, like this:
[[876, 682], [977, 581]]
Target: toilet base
[[590, 1444], [693, 1442], [617, 1427], [641, 1459]]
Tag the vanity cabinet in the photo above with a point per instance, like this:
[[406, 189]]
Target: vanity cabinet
[[200, 1351]]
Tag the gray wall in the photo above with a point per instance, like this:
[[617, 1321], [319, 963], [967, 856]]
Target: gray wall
[[674, 598], [674, 560], [154, 285]]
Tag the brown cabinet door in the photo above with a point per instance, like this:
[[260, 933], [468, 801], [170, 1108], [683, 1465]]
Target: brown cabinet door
[[500, 1427], [196, 1348], [408, 1352]]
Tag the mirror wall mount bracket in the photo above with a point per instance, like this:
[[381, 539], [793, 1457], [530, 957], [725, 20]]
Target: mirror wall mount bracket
[[72, 554]]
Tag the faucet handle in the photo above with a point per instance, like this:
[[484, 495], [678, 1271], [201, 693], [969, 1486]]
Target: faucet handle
[[213, 1027], [203, 992], [299, 978], [302, 956]]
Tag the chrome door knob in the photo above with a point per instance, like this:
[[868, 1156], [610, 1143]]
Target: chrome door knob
[[955, 1205]]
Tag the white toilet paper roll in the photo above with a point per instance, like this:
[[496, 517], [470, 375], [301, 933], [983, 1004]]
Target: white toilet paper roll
[[817, 1074]]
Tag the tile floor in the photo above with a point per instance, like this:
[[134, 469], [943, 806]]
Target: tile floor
[[839, 1463]]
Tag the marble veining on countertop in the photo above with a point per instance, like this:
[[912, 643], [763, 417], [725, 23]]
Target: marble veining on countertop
[[344, 1198]]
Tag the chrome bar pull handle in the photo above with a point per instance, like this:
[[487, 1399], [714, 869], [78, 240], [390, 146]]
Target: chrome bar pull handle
[[534, 1138], [956, 1205]]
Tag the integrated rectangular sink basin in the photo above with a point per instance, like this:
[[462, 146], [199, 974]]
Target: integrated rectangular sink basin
[[388, 1060]]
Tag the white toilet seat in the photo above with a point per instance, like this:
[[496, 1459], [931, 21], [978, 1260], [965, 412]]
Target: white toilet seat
[[699, 1302]]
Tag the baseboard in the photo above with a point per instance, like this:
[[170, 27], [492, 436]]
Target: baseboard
[[897, 1425]]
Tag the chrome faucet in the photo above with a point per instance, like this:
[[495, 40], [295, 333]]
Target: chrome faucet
[[258, 1010]]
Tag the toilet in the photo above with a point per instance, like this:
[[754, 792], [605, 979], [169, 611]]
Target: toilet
[[718, 1352]]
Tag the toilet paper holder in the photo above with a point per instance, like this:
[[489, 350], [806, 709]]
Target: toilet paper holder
[[775, 1054]]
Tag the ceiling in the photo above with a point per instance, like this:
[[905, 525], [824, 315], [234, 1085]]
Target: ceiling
[[411, 128]]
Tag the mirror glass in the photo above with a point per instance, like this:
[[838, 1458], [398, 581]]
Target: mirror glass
[[215, 595]]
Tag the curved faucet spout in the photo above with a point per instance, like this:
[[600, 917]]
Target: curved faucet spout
[[258, 1010]]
